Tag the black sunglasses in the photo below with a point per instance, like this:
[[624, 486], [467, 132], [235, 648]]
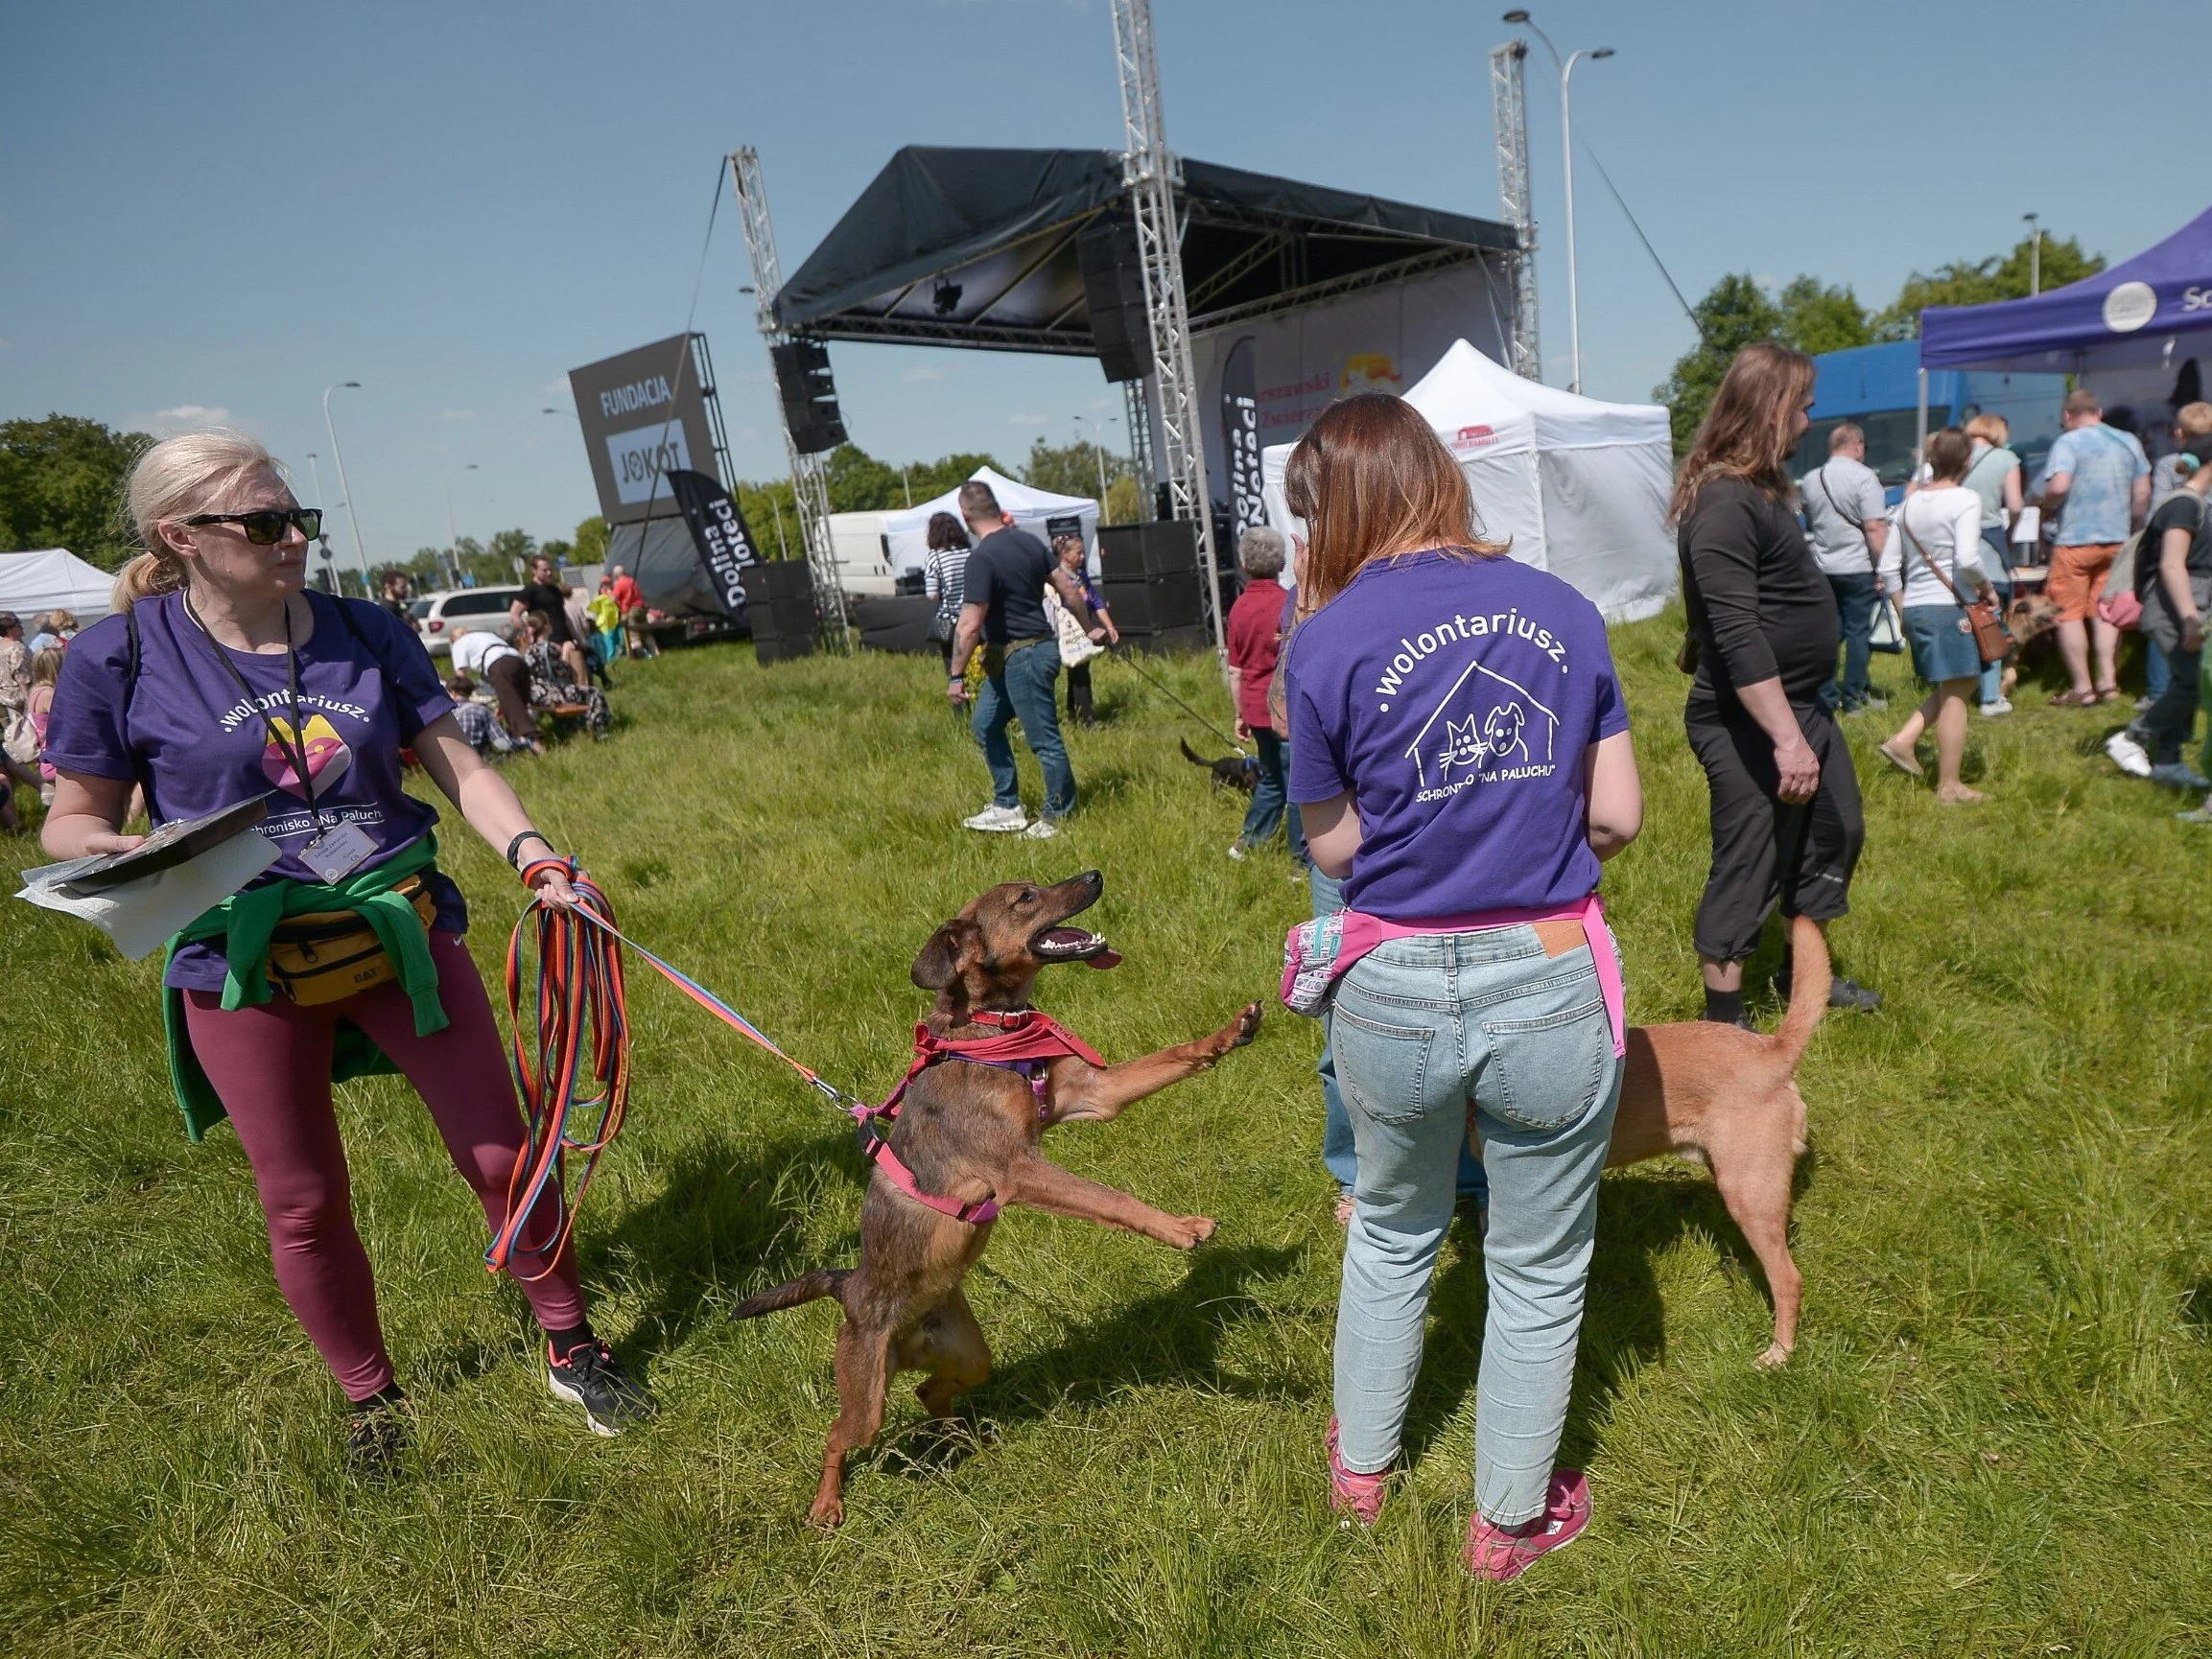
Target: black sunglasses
[[266, 528]]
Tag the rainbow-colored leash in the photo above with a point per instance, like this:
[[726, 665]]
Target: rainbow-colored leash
[[580, 991]]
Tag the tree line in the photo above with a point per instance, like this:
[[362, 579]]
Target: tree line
[[1817, 317]]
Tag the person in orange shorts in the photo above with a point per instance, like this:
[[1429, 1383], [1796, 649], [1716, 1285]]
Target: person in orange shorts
[[2097, 486]]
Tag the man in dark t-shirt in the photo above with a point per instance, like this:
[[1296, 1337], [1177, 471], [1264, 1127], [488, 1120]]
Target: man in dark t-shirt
[[544, 594], [1002, 608]]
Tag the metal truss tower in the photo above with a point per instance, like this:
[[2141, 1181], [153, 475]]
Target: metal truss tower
[[808, 486], [1151, 172], [1509, 110]]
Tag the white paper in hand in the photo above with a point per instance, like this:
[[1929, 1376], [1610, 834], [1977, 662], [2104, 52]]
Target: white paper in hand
[[140, 915]]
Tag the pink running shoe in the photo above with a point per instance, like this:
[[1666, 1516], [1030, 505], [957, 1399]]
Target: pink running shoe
[[1359, 1496], [1500, 1553]]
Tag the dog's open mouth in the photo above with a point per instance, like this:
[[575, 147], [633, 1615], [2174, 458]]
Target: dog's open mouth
[[1073, 945]]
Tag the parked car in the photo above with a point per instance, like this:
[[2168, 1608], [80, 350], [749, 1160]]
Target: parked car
[[441, 616]]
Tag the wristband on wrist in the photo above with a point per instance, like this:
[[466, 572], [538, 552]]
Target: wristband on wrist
[[515, 846]]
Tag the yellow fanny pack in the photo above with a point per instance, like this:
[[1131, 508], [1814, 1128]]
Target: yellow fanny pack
[[327, 955]]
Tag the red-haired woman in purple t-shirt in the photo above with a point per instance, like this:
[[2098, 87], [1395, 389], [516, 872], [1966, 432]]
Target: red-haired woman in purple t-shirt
[[221, 678], [1460, 755]]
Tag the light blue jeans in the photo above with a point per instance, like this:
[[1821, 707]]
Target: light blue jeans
[[1420, 1028], [1338, 1154], [1023, 689]]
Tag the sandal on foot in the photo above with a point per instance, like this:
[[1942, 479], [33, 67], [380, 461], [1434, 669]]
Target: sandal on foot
[[1959, 795], [1351, 1494], [1905, 763], [2075, 700]]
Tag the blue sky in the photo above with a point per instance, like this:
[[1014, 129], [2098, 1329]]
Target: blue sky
[[227, 206]]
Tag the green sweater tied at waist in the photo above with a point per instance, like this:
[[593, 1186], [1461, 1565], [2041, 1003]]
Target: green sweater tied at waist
[[246, 922]]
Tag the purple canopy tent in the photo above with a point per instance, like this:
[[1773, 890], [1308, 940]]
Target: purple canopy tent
[[2135, 316]]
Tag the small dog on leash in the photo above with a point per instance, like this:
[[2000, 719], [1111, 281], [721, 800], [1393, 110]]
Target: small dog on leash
[[1232, 771], [969, 1132], [1727, 1098]]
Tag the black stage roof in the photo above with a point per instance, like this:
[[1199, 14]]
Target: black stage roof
[[999, 226]]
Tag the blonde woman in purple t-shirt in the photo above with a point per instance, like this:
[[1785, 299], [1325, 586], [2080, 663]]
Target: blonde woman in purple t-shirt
[[1460, 754], [221, 678]]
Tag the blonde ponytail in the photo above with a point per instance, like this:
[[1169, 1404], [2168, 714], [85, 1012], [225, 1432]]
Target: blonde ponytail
[[173, 479]]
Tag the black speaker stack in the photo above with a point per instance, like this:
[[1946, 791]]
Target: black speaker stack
[[810, 395], [1114, 294], [780, 607], [1149, 576]]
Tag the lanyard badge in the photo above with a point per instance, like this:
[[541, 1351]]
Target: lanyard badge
[[338, 849]]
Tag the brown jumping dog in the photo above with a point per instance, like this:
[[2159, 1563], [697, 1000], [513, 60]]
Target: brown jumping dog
[[970, 1132]]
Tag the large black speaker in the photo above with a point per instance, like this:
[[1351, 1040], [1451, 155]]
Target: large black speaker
[[778, 579], [1153, 549], [1146, 604], [785, 650], [1193, 638], [1114, 294], [810, 395]]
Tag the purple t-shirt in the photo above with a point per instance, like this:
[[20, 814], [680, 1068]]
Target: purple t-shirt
[[1454, 698], [190, 735]]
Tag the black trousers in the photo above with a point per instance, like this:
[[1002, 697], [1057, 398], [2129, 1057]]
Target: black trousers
[[1765, 852], [509, 680], [1079, 707]]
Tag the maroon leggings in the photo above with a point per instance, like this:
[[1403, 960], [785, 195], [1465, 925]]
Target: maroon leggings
[[270, 1064]]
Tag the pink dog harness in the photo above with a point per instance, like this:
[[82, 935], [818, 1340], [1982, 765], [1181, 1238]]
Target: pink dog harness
[[1028, 1041], [1317, 953]]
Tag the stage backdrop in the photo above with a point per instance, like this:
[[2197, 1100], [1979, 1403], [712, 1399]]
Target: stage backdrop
[[643, 416], [1295, 366]]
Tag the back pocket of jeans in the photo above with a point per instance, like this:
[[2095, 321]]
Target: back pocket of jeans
[[1549, 1070], [1382, 1069]]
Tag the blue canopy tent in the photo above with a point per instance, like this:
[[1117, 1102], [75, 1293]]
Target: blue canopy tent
[[2134, 322]]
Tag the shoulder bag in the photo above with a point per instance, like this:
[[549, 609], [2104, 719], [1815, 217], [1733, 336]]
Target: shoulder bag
[[1992, 642]]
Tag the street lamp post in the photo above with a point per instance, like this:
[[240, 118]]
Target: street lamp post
[[452, 528], [329, 561], [338, 454], [2035, 254], [1566, 145]]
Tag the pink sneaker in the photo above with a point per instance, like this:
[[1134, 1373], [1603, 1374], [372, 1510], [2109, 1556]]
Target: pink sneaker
[[1359, 1496], [1500, 1553]]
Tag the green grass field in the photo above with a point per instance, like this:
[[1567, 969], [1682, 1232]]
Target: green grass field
[[1993, 1438]]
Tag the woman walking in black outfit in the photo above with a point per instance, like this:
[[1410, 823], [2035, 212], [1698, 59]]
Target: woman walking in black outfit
[[1786, 821]]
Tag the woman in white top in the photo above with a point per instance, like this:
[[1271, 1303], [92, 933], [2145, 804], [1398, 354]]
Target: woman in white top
[[1994, 475], [1934, 562]]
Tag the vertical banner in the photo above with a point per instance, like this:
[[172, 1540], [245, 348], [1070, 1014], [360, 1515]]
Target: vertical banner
[[719, 531], [1241, 434]]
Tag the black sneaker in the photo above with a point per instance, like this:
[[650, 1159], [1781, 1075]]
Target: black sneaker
[[591, 1377], [1847, 994], [376, 1435]]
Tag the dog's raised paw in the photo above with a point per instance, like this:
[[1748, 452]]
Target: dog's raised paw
[[1773, 1359], [1187, 1231], [1246, 1025]]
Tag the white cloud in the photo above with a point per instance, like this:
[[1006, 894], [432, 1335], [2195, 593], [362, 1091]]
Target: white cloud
[[183, 417], [748, 435], [456, 414], [555, 387], [1029, 420], [1105, 403], [919, 373]]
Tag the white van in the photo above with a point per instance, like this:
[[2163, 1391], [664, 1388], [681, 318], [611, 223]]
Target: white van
[[441, 616]]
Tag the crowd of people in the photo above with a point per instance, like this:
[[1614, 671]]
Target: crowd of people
[[2120, 549], [1450, 823]]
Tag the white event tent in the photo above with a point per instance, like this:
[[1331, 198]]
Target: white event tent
[[53, 578], [1580, 486], [907, 533]]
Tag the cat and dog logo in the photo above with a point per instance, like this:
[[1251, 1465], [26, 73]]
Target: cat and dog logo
[[1492, 727]]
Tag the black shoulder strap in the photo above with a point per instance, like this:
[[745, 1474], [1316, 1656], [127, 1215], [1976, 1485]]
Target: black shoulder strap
[[1822, 473]]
